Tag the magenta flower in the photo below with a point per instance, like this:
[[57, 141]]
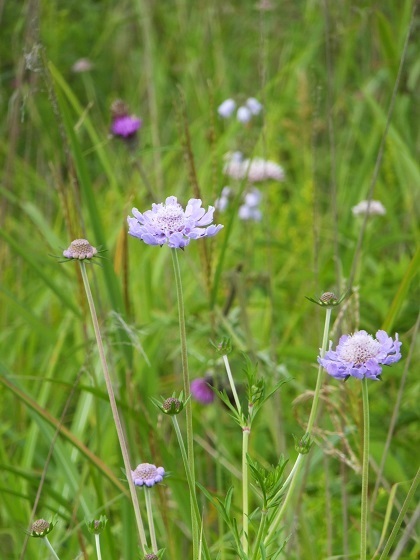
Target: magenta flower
[[168, 223], [201, 390], [360, 355], [147, 475], [125, 126]]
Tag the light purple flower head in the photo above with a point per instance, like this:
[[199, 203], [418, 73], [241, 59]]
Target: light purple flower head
[[125, 126], [201, 390], [244, 114], [147, 475], [360, 355], [226, 108], [168, 223], [254, 105]]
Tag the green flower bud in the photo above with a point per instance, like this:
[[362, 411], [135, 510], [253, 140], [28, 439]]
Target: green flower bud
[[172, 406], [303, 445], [40, 528], [329, 299], [96, 526]]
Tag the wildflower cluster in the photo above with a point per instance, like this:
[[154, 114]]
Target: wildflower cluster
[[254, 170], [245, 112]]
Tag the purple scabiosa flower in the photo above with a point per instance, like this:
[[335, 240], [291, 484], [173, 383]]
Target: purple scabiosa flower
[[360, 355], [80, 249], [147, 475], [201, 390], [371, 207], [123, 125], [226, 108], [168, 223]]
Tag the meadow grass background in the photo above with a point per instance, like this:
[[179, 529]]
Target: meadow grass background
[[325, 73]]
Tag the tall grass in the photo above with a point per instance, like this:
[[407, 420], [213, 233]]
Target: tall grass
[[325, 72]]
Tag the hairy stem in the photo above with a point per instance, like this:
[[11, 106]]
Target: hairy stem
[[114, 408], [150, 519], [188, 407], [292, 479], [365, 471]]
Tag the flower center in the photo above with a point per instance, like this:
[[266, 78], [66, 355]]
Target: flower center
[[359, 348], [146, 471], [170, 219]]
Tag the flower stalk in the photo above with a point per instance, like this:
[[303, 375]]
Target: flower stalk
[[98, 547], [292, 479], [187, 393], [245, 501], [150, 519], [365, 472], [114, 408], [49, 546]]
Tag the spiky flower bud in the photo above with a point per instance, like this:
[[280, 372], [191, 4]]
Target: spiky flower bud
[[151, 557], [224, 347], [96, 526], [329, 299], [303, 445], [119, 108], [172, 406], [40, 528]]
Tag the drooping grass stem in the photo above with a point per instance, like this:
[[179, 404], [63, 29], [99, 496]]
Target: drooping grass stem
[[114, 408], [365, 471], [292, 479], [188, 407]]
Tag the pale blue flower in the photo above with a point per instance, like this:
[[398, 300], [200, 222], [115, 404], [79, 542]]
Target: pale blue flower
[[244, 114], [226, 108], [168, 223], [360, 355], [147, 475], [254, 105]]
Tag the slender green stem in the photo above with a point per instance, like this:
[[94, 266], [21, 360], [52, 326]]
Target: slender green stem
[[292, 479], [260, 533], [47, 542], [98, 547], [147, 494], [365, 471], [190, 482], [232, 383], [114, 408], [188, 407], [401, 515], [245, 505]]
